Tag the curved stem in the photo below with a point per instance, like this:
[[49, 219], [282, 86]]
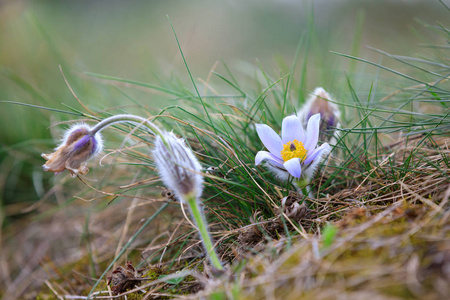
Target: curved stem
[[203, 230], [126, 118]]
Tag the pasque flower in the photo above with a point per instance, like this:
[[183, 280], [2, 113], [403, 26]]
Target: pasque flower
[[82, 142], [295, 153], [77, 147]]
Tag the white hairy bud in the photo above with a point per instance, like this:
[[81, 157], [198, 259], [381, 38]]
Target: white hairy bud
[[177, 165]]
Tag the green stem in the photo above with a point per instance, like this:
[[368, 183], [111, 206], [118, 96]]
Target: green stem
[[301, 183], [128, 245], [203, 230]]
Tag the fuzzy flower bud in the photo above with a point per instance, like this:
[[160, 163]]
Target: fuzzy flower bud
[[178, 167], [77, 147], [321, 102], [180, 171]]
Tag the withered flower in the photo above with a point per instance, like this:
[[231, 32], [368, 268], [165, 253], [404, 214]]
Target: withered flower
[[293, 209], [124, 278], [77, 147]]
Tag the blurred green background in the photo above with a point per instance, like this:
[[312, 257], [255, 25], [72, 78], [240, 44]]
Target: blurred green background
[[134, 40]]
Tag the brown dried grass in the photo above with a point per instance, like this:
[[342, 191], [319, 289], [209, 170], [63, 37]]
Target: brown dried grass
[[392, 241]]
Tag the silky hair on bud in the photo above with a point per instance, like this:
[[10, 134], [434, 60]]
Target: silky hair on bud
[[178, 167], [320, 101]]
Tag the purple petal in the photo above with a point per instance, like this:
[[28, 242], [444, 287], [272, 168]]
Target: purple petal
[[331, 122], [292, 129], [82, 142], [293, 167], [270, 139], [318, 152], [94, 145], [312, 133], [272, 159]]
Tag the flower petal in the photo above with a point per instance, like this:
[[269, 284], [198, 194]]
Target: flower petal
[[270, 139], [294, 167], [324, 149], [312, 132], [272, 159], [292, 129]]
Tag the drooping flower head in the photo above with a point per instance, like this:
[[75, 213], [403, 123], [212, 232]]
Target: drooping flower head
[[77, 147], [82, 142], [319, 101], [295, 153], [177, 165]]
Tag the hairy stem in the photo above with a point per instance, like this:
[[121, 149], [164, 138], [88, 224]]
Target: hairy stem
[[202, 227], [126, 118]]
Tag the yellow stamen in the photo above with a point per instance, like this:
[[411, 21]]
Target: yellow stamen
[[292, 150]]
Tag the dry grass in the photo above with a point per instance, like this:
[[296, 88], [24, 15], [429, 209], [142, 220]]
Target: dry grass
[[391, 242]]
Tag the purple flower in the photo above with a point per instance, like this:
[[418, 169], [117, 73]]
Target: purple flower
[[295, 153]]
